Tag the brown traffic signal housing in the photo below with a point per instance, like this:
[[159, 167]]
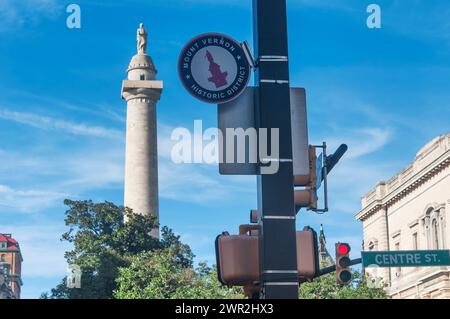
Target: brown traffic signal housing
[[238, 259], [308, 180], [254, 216], [307, 254], [238, 256], [307, 197]]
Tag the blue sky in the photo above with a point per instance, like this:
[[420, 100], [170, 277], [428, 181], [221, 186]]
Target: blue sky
[[62, 123]]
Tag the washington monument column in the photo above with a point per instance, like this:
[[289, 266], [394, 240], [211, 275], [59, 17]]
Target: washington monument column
[[142, 92]]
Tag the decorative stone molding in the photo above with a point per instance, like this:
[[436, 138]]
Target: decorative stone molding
[[432, 159], [414, 224], [142, 90], [372, 241], [396, 234]]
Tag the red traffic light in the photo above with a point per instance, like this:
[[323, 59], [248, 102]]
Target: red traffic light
[[343, 263], [343, 249]]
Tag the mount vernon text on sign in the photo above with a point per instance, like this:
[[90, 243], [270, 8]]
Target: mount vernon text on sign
[[213, 68]]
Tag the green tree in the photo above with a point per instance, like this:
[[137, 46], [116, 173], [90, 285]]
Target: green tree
[[159, 275], [103, 242], [325, 287], [122, 260], [207, 286]]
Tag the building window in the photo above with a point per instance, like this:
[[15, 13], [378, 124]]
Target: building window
[[415, 242], [435, 232], [398, 270], [442, 227], [142, 77], [428, 222], [3, 258]]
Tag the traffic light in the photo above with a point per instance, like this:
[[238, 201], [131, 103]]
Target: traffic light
[[254, 216], [307, 197], [238, 257], [343, 273], [308, 265]]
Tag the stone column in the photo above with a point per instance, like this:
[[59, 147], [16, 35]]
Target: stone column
[[384, 241], [142, 92]]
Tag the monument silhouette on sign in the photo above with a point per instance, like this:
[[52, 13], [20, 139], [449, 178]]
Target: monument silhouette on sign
[[218, 77]]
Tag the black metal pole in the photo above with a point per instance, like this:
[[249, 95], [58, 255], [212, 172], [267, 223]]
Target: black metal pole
[[331, 269], [278, 259]]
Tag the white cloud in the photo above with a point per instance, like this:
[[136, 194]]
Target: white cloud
[[195, 183], [41, 248], [363, 141], [29, 200], [358, 171], [200, 184], [45, 180], [93, 169], [47, 177], [351, 179], [165, 143], [88, 109], [52, 124]]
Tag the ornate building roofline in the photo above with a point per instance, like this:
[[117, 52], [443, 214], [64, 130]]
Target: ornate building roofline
[[430, 160]]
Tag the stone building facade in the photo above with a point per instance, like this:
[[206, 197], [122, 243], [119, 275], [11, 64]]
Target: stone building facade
[[411, 211]]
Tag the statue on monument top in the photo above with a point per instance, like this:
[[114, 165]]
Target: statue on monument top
[[141, 39]]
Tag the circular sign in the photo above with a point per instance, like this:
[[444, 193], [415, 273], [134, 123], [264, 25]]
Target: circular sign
[[213, 68]]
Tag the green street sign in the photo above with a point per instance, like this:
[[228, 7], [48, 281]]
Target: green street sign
[[407, 258]]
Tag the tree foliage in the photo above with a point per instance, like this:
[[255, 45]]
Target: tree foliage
[[325, 287], [111, 252], [121, 260], [159, 275]]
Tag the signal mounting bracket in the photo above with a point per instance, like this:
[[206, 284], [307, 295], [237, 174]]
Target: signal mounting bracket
[[323, 173]]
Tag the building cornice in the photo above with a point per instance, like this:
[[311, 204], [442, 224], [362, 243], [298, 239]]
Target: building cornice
[[430, 161], [150, 90], [392, 291]]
